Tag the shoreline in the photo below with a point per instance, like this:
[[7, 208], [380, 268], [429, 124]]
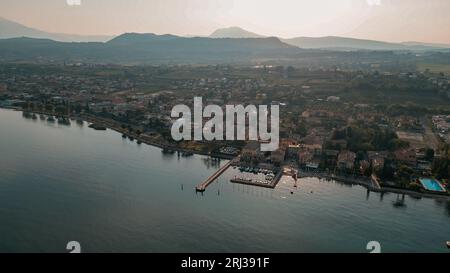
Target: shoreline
[[112, 125], [145, 140], [369, 186], [320, 175]]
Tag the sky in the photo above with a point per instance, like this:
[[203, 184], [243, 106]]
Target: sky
[[387, 20]]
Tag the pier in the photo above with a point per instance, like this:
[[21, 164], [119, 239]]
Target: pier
[[202, 186]]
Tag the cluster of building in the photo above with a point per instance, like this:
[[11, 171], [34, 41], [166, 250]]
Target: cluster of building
[[312, 111], [441, 124]]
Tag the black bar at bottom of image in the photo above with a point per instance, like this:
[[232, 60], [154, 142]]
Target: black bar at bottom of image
[[215, 262]]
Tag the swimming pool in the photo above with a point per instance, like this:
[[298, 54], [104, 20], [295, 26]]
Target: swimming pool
[[432, 185]]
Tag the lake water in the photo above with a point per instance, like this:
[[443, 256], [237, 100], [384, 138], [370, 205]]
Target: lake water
[[65, 183]]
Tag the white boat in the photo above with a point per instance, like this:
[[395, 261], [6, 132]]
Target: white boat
[[448, 244], [270, 177]]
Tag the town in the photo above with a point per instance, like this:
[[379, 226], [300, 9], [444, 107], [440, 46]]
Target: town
[[371, 125]]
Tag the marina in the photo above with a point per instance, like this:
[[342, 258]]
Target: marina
[[270, 181]]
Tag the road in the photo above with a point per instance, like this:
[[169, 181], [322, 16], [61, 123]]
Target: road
[[429, 137]]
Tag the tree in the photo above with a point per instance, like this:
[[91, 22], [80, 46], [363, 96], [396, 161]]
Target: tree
[[429, 154], [441, 165], [440, 168], [404, 175], [388, 171]]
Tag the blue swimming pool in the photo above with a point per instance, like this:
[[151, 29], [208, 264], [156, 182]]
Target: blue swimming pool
[[432, 185]]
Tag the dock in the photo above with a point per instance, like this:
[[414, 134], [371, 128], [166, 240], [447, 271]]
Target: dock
[[270, 185], [202, 186]]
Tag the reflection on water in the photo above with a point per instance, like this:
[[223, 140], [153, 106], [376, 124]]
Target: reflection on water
[[399, 202], [443, 203], [211, 162]]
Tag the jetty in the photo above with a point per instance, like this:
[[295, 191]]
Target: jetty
[[202, 186]]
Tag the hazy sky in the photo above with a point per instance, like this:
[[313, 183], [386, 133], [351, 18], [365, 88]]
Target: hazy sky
[[389, 20]]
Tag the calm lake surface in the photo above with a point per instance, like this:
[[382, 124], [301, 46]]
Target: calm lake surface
[[65, 183]]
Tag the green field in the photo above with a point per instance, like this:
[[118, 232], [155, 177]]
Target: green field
[[434, 68]]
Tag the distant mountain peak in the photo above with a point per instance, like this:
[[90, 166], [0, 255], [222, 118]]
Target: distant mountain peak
[[138, 38], [234, 32], [11, 29]]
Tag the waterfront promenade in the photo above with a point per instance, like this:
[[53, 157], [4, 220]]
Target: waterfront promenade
[[113, 125], [363, 181]]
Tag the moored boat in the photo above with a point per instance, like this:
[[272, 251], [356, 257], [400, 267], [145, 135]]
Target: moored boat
[[187, 154], [448, 244], [26, 114], [97, 127], [270, 177], [63, 121], [168, 151]]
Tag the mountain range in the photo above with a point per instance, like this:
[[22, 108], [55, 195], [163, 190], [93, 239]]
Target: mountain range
[[331, 42], [232, 45], [350, 44], [135, 48], [10, 29]]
